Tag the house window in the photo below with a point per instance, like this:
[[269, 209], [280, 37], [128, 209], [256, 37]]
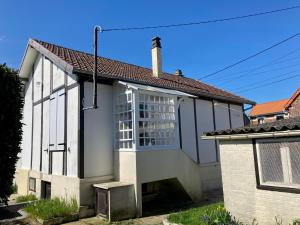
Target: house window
[[260, 120], [123, 118], [280, 117], [32, 184], [279, 164], [157, 122]]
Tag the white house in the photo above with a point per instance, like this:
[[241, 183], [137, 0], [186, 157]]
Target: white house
[[145, 131]]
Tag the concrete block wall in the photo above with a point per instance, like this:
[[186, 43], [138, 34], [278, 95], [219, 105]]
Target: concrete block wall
[[242, 198]]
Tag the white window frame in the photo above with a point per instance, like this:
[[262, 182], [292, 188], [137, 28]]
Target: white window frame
[[176, 145], [286, 163], [117, 93]]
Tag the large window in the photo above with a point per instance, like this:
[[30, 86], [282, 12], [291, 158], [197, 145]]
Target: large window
[[157, 122], [123, 118], [279, 163]]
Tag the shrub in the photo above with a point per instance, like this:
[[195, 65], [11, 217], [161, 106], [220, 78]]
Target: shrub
[[26, 198], [14, 189], [51, 208], [218, 216], [10, 128]]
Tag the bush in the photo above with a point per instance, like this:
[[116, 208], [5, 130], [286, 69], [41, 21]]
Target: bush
[[14, 189], [218, 216], [26, 198], [10, 128], [51, 208]]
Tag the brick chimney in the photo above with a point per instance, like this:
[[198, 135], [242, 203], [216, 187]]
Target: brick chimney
[[156, 57]]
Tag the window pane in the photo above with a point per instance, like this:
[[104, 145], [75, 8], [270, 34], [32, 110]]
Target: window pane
[[294, 149], [270, 162]]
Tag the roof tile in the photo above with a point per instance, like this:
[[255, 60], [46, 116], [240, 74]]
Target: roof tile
[[113, 69]]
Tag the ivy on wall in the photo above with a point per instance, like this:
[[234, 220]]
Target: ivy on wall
[[11, 103]]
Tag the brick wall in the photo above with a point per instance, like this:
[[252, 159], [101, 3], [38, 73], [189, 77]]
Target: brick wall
[[241, 196], [294, 110]]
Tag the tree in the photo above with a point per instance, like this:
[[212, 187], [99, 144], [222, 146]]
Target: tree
[[11, 103]]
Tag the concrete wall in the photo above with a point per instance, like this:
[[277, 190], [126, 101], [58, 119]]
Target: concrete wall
[[61, 186], [98, 132], [241, 196], [148, 166]]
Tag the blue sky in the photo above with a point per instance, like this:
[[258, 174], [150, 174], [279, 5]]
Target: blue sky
[[197, 50]]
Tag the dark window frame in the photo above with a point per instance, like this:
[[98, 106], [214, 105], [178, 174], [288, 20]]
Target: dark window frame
[[34, 184], [259, 184]]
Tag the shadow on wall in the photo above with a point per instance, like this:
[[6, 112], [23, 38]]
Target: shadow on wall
[[163, 196]]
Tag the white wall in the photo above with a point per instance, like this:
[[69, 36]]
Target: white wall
[[72, 131], [205, 122], [222, 116], [98, 132], [36, 138], [45, 139], [58, 77], [37, 78], [236, 112], [27, 124], [47, 77], [188, 128]]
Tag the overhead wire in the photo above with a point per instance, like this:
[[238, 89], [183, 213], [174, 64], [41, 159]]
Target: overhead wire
[[270, 83], [201, 22], [270, 63], [261, 72], [267, 79], [250, 57]]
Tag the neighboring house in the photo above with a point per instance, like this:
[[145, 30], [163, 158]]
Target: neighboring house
[[276, 110], [145, 134], [260, 171]]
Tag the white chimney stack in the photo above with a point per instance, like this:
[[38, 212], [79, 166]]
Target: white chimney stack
[[156, 57]]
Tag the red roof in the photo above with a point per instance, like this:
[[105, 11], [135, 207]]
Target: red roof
[[268, 108], [112, 69], [292, 99]]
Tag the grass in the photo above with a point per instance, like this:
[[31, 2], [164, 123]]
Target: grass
[[51, 208], [192, 216], [26, 198]]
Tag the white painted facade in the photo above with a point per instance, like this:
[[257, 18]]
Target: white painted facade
[[73, 148]]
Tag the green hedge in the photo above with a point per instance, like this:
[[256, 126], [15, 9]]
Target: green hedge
[[11, 104]]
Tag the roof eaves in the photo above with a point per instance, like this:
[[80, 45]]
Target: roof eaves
[[54, 58], [199, 93]]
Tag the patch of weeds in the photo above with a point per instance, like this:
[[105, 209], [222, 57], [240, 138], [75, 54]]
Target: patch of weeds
[[26, 198], [51, 208]]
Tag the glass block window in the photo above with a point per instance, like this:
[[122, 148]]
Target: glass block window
[[157, 122], [279, 163], [123, 119]]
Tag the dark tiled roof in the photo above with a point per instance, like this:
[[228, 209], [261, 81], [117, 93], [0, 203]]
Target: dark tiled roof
[[280, 125], [112, 69]]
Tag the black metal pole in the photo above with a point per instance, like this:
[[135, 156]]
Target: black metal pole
[[95, 66], [94, 105]]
